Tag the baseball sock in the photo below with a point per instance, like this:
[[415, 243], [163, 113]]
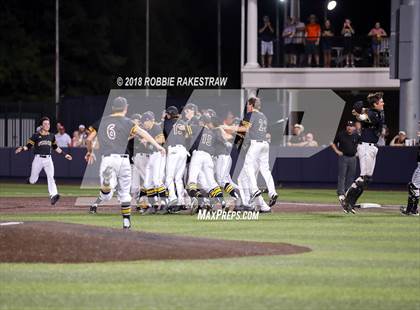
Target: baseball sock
[[126, 210], [232, 191]]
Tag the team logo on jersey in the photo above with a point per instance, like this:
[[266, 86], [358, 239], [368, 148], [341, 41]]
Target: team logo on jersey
[[110, 131], [44, 142]]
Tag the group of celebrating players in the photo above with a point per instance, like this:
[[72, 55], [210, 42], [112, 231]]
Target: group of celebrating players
[[151, 162]]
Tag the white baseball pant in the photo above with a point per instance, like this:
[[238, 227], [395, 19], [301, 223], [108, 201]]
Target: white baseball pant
[[120, 175], [202, 170], [257, 160], [155, 170], [47, 164], [367, 158], [138, 171], [175, 168]]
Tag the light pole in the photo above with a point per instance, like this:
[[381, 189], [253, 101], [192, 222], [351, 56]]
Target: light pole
[[147, 41], [57, 60], [219, 40]]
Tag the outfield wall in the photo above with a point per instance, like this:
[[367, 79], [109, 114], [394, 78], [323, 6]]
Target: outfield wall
[[394, 166]]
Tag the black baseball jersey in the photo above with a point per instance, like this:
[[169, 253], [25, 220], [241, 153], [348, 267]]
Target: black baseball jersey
[[113, 132], [257, 124], [175, 131], [207, 140], [156, 132], [42, 144], [221, 146], [347, 143], [372, 126]]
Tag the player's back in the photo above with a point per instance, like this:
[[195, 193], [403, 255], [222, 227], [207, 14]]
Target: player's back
[[113, 133], [258, 129]]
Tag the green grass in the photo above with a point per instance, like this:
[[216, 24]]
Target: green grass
[[368, 261], [286, 194], [364, 261]]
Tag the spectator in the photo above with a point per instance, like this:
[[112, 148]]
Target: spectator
[[345, 146], [399, 140], [327, 34], [298, 42], [75, 141], [58, 126], [348, 33], [289, 46], [377, 33], [383, 136], [297, 135], [267, 35], [62, 138], [312, 35], [309, 140], [82, 135]]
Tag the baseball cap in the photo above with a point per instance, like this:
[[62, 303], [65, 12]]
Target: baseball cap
[[172, 110], [402, 133], [147, 116], [191, 106], [119, 103], [299, 126], [350, 123], [82, 126], [136, 116]]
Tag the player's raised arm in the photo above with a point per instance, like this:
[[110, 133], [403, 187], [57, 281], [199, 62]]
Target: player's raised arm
[[146, 136], [28, 146]]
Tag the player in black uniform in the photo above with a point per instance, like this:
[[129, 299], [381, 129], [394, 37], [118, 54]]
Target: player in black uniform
[[155, 168], [175, 132], [113, 133], [413, 191], [43, 142], [201, 170], [373, 120]]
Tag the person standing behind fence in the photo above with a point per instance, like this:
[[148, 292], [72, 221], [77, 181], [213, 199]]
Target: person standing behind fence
[[312, 35], [289, 47], [377, 34], [348, 33], [327, 34], [345, 146], [298, 42], [267, 35]]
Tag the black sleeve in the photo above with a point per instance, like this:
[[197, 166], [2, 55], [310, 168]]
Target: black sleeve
[[246, 122], [373, 117], [53, 142], [31, 141]]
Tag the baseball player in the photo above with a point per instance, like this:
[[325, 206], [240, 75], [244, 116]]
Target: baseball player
[[202, 163], [113, 135], [43, 141], [223, 163], [139, 156], [413, 191], [175, 131], [155, 168], [254, 126], [373, 120]]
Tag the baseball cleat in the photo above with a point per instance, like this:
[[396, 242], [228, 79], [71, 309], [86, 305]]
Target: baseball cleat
[[126, 223], [273, 200], [256, 194], [248, 209], [342, 200], [265, 210], [93, 209], [194, 205], [54, 199]]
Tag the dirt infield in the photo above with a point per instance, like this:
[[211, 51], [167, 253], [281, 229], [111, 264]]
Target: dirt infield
[[54, 242], [68, 204]]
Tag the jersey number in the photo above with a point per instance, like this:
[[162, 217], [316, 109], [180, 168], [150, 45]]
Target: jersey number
[[263, 125], [110, 131], [206, 139]]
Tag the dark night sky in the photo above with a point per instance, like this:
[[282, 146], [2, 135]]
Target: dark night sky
[[103, 39]]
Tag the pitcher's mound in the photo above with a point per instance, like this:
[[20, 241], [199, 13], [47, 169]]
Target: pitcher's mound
[[54, 242]]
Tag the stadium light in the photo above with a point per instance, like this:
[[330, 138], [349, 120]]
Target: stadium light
[[331, 5], [282, 0]]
